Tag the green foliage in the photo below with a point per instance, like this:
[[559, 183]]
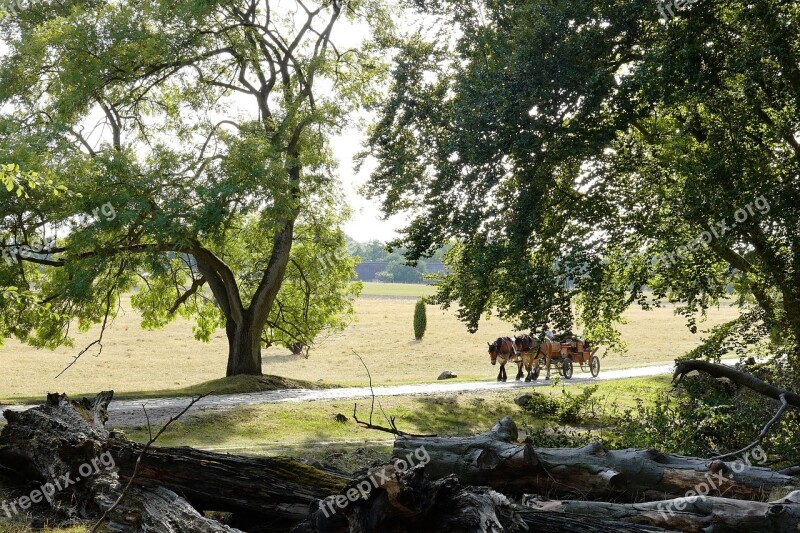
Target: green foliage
[[700, 417], [318, 292], [420, 319], [21, 305], [577, 151], [397, 270], [559, 437], [568, 408], [196, 147], [706, 417]]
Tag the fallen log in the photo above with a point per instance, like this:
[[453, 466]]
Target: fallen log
[[280, 488], [497, 460], [406, 500], [432, 484], [62, 447], [691, 514]]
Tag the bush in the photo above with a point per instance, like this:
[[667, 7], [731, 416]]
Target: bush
[[568, 408], [704, 416], [420, 320], [700, 417]]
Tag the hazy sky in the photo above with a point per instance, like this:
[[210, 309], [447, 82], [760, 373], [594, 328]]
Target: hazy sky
[[367, 223]]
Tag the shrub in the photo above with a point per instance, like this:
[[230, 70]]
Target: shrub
[[568, 408], [420, 320], [700, 417], [703, 417]]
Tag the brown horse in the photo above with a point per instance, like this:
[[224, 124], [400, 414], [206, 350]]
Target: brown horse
[[546, 350], [504, 350], [524, 345]]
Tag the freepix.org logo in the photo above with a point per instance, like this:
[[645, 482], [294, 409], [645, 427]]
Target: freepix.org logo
[[377, 478], [13, 253], [716, 482], [104, 462], [665, 7], [715, 231]]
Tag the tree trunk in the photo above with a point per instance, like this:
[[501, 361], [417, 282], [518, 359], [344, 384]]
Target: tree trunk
[[244, 347], [417, 491], [60, 450], [496, 459], [391, 499], [694, 514], [275, 490]]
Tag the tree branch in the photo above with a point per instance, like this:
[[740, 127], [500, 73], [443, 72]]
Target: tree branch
[[762, 435], [747, 380], [369, 425], [196, 284], [786, 398]]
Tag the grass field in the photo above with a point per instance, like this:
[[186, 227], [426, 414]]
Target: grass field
[[169, 361], [403, 290], [311, 429]]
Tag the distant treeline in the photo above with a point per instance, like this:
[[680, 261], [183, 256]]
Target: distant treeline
[[378, 264]]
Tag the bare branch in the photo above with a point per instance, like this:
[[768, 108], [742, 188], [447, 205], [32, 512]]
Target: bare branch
[[146, 447], [787, 398], [762, 435], [99, 340], [369, 425], [747, 380]]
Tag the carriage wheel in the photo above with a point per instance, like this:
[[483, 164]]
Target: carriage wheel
[[594, 364], [567, 368]]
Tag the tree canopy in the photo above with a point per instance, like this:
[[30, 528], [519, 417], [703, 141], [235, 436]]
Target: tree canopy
[[590, 156], [194, 141]]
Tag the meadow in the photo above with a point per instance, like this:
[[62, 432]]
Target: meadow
[[311, 430], [135, 362]]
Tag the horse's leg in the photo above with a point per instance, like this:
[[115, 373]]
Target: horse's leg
[[519, 369], [528, 362], [500, 373], [505, 374], [547, 361]]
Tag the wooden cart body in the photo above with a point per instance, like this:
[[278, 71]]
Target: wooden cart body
[[565, 354]]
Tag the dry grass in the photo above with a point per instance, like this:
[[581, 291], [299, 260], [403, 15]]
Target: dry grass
[[384, 337], [134, 360]]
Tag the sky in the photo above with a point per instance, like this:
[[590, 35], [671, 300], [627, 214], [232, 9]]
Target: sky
[[367, 222]]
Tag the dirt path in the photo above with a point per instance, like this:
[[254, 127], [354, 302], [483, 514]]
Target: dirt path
[[129, 413]]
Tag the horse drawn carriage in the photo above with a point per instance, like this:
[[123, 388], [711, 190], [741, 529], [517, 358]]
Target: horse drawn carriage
[[529, 354], [566, 353]]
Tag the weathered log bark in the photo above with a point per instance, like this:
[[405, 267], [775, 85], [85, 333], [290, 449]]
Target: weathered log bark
[[156, 510], [693, 514], [416, 492], [63, 447], [280, 488], [391, 499], [496, 459]]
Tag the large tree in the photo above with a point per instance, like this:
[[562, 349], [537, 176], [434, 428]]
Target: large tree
[[581, 153], [193, 139]]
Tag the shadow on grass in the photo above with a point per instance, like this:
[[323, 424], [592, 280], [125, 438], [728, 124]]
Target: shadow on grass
[[450, 416], [230, 385]]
